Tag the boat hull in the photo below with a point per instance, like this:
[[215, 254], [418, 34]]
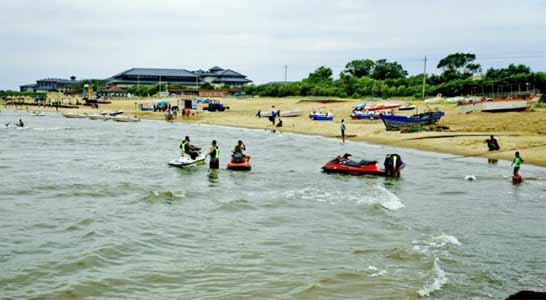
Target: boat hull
[[322, 118], [370, 169], [394, 122]]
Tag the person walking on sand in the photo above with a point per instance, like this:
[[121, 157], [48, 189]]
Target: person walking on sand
[[342, 128]]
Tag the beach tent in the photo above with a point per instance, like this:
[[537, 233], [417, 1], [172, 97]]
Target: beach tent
[[162, 102]]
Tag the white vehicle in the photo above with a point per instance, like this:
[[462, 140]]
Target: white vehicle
[[185, 161]]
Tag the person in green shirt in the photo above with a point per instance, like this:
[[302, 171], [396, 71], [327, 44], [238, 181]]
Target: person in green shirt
[[517, 163]]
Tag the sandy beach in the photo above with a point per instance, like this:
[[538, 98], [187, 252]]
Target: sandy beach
[[515, 131]]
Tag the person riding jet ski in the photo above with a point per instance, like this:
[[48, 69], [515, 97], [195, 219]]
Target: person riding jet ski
[[189, 149], [239, 161]]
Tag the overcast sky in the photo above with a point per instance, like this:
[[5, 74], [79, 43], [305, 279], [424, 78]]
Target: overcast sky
[[96, 39]]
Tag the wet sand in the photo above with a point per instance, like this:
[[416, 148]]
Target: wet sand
[[515, 131]]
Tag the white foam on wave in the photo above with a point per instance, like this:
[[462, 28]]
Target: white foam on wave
[[444, 239], [439, 280], [380, 273], [387, 199], [377, 195], [428, 247]]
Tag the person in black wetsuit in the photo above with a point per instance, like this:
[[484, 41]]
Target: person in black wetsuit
[[492, 144], [214, 154], [187, 148], [393, 164]]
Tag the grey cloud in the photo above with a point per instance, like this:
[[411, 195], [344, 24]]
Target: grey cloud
[[101, 38]]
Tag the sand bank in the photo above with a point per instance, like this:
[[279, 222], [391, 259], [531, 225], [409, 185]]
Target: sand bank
[[515, 131]]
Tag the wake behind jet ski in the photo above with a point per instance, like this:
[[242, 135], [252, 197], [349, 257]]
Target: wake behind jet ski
[[345, 165]]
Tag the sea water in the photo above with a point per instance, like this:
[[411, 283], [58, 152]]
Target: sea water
[[91, 210]]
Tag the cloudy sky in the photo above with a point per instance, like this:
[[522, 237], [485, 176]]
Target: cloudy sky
[[99, 38]]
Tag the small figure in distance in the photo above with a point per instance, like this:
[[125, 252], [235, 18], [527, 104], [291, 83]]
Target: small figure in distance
[[492, 144], [342, 128], [516, 178]]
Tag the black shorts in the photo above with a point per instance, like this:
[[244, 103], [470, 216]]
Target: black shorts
[[214, 164], [516, 169]]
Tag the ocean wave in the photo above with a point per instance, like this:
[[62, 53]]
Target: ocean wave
[[376, 195], [166, 196], [388, 200], [444, 239], [235, 205], [439, 280], [427, 247]]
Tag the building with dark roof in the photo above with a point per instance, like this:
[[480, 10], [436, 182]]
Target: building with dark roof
[[215, 76], [52, 85]]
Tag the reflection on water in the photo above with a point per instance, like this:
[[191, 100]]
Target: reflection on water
[[90, 209]]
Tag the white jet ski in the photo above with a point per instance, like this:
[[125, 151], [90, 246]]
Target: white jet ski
[[185, 161]]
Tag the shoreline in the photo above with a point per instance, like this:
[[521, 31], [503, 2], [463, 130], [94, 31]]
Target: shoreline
[[523, 131]]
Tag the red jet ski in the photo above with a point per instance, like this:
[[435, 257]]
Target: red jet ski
[[342, 164], [239, 162]]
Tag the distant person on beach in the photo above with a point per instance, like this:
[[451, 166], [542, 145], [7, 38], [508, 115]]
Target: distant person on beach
[[259, 113], [279, 124], [273, 116], [517, 163], [342, 128], [214, 154], [492, 144]]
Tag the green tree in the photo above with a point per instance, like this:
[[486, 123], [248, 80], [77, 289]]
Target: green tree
[[388, 70], [359, 68], [458, 66], [321, 75]]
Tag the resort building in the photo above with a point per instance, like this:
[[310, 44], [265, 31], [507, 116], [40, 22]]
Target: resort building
[[216, 76], [66, 86]]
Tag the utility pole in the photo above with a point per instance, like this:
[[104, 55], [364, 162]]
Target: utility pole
[[424, 77], [285, 73]]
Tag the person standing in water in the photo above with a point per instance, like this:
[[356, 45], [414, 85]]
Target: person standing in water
[[214, 154], [342, 128], [517, 163]]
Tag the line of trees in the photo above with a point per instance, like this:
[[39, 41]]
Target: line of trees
[[383, 78]]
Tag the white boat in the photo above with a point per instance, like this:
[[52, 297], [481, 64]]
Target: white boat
[[74, 115], [499, 105], [37, 114], [127, 119], [407, 107], [115, 113], [292, 113], [186, 161], [99, 117], [455, 100], [434, 100]]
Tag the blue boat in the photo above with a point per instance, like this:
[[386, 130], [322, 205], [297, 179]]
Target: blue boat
[[318, 117], [393, 122]]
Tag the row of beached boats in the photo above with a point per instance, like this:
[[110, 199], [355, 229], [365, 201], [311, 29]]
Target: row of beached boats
[[116, 116], [489, 104]]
